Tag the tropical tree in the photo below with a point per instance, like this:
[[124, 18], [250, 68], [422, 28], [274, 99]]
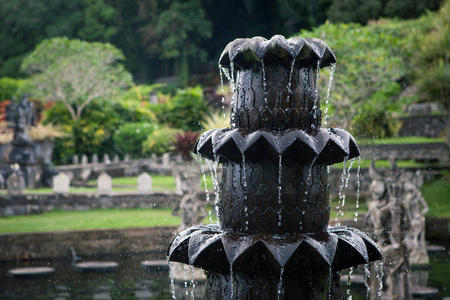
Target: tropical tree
[[369, 59], [76, 72], [433, 63], [433, 60], [178, 33]]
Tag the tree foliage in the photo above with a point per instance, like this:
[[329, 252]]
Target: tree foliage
[[9, 87], [128, 138], [94, 132], [433, 60], [369, 59], [157, 36], [361, 11], [76, 72], [187, 110]]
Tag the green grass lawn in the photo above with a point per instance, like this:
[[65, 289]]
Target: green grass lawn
[[436, 193], [90, 219], [400, 140], [383, 164]]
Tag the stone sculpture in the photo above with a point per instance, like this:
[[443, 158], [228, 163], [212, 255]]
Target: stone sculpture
[[397, 216]]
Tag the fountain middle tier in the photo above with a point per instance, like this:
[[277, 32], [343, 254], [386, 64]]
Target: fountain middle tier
[[274, 197]]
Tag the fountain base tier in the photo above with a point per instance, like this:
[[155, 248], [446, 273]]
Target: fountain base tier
[[211, 249], [262, 284]]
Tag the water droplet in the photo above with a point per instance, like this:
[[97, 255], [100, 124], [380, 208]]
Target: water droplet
[[264, 80]]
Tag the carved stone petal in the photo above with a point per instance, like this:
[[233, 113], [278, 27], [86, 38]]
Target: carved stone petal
[[206, 251]]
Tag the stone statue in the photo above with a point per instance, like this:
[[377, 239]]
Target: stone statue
[[23, 118], [397, 216], [188, 179]]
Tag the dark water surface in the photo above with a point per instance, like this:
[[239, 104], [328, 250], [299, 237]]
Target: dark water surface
[[130, 281]]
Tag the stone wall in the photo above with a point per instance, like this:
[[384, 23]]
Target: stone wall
[[432, 126], [32, 204], [427, 151], [134, 240], [85, 242]]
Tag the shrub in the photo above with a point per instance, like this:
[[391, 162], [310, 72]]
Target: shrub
[[377, 114], [187, 109], [9, 87], [128, 138], [184, 144], [160, 141]]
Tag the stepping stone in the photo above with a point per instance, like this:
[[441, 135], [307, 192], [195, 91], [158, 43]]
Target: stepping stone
[[424, 292], [96, 266], [435, 249], [30, 272], [356, 280], [155, 265]]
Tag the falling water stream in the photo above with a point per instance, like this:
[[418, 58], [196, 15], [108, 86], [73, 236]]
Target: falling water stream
[[172, 281], [291, 71], [327, 100], [366, 279], [280, 283], [349, 283], [264, 81]]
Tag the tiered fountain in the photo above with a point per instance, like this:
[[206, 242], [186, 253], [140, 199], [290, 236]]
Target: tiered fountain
[[273, 240]]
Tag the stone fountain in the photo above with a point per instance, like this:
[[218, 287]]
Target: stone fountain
[[273, 240]]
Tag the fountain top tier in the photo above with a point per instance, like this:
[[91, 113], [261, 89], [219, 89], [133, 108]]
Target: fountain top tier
[[275, 82], [244, 53]]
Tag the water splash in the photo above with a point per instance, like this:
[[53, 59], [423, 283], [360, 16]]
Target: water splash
[[291, 71], [341, 202], [230, 78], [347, 179], [380, 284], [215, 185], [264, 81], [221, 76], [330, 284], [191, 268], [244, 183], [280, 283], [202, 168], [280, 169], [309, 178], [327, 100], [186, 282], [358, 187], [366, 279], [172, 281], [231, 281], [216, 201], [316, 86], [349, 283], [379, 277]]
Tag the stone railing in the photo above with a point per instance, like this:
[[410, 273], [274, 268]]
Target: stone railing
[[431, 126], [35, 204], [421, 152], [90, 169]]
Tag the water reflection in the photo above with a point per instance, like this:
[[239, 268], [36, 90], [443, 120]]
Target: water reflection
[[130, 281]]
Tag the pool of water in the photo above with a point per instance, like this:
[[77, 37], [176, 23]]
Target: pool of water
[[130, 281]]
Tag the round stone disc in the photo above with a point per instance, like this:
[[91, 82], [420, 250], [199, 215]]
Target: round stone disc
[[30, 272], [96, 266], [155, 265]]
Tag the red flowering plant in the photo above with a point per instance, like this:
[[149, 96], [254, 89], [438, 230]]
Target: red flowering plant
[[184, 144]]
